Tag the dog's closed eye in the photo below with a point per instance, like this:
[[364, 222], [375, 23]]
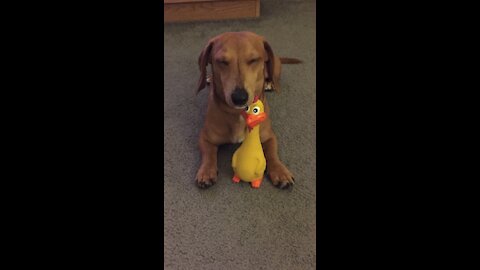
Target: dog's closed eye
[[253, 61], [222, 62]]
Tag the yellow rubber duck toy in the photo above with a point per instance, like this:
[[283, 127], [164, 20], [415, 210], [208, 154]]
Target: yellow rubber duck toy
[[248, 161]]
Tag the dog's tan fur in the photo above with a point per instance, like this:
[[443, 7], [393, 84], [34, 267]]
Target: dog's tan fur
[[246, 60]]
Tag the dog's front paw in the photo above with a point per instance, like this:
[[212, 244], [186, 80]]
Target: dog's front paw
[[281, 177], [206, 176]]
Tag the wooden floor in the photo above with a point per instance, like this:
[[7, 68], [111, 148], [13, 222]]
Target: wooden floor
[[203, 10]]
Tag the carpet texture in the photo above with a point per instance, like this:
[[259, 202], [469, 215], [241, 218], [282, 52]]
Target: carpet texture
[[231, 226]]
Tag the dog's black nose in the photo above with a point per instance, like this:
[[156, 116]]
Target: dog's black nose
[[239, 96]]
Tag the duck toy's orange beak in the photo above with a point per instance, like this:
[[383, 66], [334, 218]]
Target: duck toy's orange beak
[[253, 120]]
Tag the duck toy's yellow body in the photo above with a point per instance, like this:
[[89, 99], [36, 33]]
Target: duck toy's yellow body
[[248, 161]]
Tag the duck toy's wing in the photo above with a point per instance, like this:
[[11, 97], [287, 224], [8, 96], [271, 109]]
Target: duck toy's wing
[[260, 168], [234, 160]]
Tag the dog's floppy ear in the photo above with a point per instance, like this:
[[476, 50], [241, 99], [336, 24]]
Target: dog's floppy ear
[[269, 64], [203, 61]]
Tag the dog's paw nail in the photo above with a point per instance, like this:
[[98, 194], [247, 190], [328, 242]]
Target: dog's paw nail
[[204, 184]]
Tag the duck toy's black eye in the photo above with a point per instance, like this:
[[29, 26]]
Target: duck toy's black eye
[[246, 109]]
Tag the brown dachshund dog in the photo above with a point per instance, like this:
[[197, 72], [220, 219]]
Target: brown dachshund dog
[[242, 64]]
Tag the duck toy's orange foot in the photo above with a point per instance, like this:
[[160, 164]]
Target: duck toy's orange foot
[[256, 183], [236, 179]]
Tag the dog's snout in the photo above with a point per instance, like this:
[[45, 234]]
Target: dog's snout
[[239, 96]]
